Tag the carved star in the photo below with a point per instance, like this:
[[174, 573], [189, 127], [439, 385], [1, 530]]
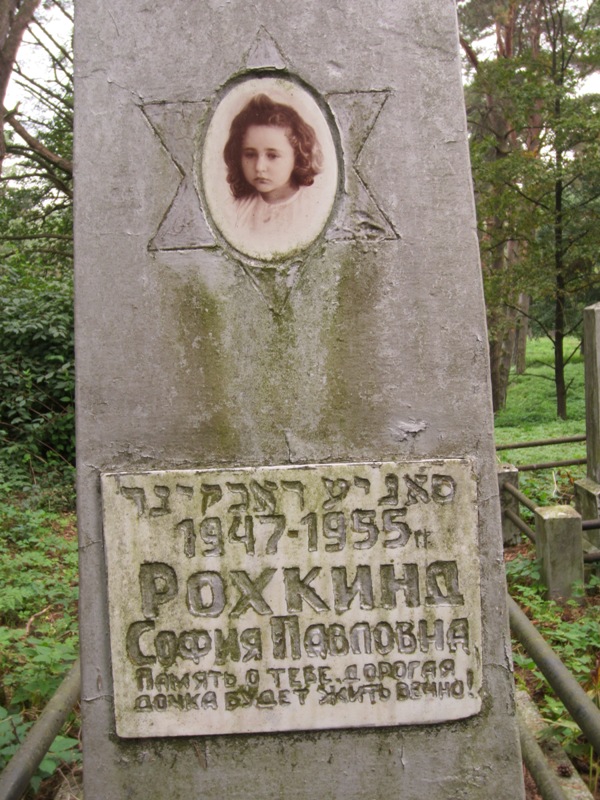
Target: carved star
[[358, 216]]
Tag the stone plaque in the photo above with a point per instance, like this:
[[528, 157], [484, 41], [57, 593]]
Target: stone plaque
[[293, 597]]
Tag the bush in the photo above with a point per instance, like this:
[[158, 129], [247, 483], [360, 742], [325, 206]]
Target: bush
[[36, 373], [38, 624]]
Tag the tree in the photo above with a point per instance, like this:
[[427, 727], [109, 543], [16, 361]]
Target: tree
[[15, 17], [534, 146], [36, 317]]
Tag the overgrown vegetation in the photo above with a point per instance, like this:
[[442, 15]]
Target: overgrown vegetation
[[36, 374], [572, 629], [38, 618]]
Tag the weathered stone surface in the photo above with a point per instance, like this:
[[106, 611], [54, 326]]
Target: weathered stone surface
[[591, 336], [587, 503], [294, 597], [508, 473], [559, 549], [366, 344]]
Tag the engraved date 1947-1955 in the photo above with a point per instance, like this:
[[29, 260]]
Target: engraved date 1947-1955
[[251, 513]]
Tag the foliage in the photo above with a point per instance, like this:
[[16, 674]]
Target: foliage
[[38, 552], [38, 621], [13, 729], [530, 416], [36, 373], [535, 149], [573, 631], [532, 395], [36, 316]]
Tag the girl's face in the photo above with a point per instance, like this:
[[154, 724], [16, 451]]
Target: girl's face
[[268, 160]]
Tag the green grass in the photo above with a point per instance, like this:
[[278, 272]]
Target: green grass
[[530, 414]]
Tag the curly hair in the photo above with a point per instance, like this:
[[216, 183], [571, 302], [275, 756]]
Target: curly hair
[[261, 110]]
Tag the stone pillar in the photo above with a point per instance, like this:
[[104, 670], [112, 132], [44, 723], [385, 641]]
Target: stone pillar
[[508, 473], [587, 503], [591, 339], [291, 569], [587, 490], [559, 548]]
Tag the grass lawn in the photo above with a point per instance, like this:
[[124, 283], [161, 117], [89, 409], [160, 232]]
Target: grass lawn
[[530, 415]]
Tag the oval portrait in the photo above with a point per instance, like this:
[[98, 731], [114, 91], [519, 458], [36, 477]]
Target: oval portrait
[[269, 168]]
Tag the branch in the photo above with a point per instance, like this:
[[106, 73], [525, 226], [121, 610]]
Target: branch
[[62, 163], [579, 39], [51, 176], [470, 53], [526, 197], [42, 96], [43, 89], [21, 176], [57, 44], [12, 42], [8, 55], [64, 10], [568, 333], [33, 617], [36, 236], [532, 318]]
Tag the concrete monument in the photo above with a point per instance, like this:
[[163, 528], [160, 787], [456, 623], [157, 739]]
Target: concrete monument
[[291, 573]]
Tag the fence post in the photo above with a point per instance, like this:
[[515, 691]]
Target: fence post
[[559, 548], [587, 490], [508, 473]]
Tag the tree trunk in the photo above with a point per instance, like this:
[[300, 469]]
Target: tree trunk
[[559, 300], [522, 334], [501, 350]]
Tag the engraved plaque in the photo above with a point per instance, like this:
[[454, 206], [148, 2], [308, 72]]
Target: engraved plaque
[[293, 597]]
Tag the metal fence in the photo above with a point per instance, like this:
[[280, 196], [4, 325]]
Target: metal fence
[[15, 779]]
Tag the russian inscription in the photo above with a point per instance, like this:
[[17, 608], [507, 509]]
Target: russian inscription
[[293, 597]]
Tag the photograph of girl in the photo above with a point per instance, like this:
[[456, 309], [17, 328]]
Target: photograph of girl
[[274, 166]]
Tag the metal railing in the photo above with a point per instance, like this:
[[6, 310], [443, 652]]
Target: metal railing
[[538, 766], [542, 442], [575, 700], [15, 778], [571, 462], [584, 712], [586, 525]]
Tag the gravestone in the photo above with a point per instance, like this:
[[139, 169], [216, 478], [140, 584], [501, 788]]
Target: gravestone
[[291, 573]]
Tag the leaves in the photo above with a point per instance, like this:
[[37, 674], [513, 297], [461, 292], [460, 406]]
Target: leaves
[[38, 622], [36, 369], [535, 150]]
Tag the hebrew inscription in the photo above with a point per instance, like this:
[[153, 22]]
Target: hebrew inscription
[[293, 597]]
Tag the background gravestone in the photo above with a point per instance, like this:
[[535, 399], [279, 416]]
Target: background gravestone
[[287, 489]]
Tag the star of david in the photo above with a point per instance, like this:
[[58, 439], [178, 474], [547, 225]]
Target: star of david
[[359, 216]]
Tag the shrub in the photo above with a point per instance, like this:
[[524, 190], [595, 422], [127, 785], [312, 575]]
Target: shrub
[[36, 373]]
